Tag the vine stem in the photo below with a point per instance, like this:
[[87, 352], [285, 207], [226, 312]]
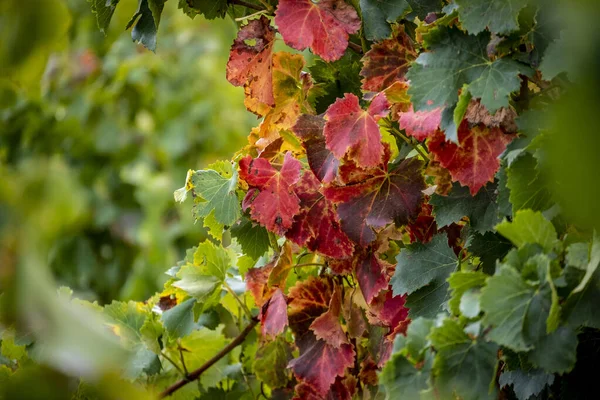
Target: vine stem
[[242, 305], [246, 4], [194, 375], [308, 265], [415, 146]]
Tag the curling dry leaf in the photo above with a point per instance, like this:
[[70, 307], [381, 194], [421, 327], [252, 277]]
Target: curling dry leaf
[[250, 65]]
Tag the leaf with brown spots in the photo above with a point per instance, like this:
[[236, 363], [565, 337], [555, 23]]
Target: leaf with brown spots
[[387, 62], [473, 162], [276, 204], [250, 65]]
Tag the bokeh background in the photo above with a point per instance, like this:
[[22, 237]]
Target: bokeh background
[[113, 128]]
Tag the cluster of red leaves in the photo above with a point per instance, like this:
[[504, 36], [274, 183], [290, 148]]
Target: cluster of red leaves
[[473, 161], [347, 204]]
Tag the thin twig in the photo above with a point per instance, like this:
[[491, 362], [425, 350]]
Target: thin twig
[[309, 264], [173, 363], [245, 4], [196, 373], [242, 305], [414, 145], [266, 5], [182, 361], [256, 14], [355, 47]]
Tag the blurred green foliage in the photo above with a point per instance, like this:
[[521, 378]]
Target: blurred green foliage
[[124, 124]]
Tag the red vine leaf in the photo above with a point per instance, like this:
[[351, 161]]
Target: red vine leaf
[[307, 300], [256, 282], [320, 363], [250, 65], [322, 26], [327, 326], [424, 227], [388, 310], [276, 204], [372, 275], [387, 62], [342, 389], [317, 225], [372, 199], [421, 124], [473, 162], [350, 129], [321, 160], [273, 316]]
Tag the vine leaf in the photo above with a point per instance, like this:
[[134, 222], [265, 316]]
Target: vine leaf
[[350, 129], [377, 14], [292, 89], [481, 209], [373, 199], [390, 310], [505, 300], [219, 194], [387, 62], [211, 9], [251, 65], [474, 161], [527, 187], [420, 124], [456, 59], [461, 282], [463, 367], [327, 326], [273, 317], [104, 11], [529, 227], [321, 160], [500, 16], [271, 361], [419, 264], [276, 204], [526, 383], [199, 347], [145, 28], [317, 225], [402, 379], [322, 26], [307, 300], [372, 274], [320, 363], [253, 238], [256, 282]]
